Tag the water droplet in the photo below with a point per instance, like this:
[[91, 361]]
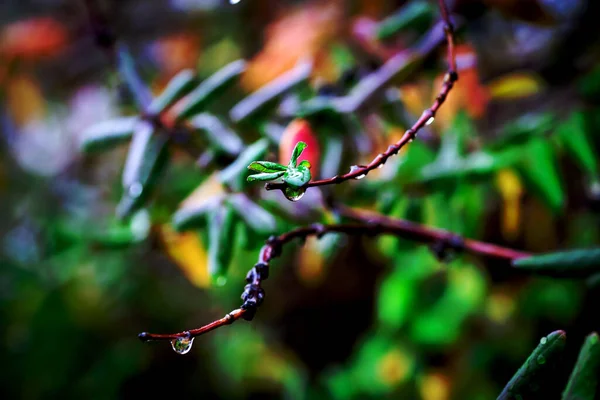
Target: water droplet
[[430, 121], [354, 168], [543, 340], [135, 189], [541, 360], [359, 177], [221, 281], [182, 345], [410, 140], [380, 166], [234, 1], [294, 194]]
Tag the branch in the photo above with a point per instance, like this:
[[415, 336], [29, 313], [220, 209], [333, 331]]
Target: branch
[[369, 225], [426, 118]]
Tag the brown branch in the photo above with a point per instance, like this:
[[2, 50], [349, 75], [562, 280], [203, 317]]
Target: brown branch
[[369, 224], [426, 118]]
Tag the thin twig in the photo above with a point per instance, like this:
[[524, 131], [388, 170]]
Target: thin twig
[[370, 225], [426, 118]]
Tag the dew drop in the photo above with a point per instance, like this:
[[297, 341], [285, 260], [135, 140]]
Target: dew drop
[[182, 345], [543, 340], [355, 168], [541, 360], [359, 177], [135, 189], [380, 166], [410, 140], [234, 1], [430, 121], [294, 194]]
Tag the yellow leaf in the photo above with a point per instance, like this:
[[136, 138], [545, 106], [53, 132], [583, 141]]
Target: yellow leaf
[[394, 367], [515, 86], [510, 187], [188, 252], [25, 100], [435, 386]]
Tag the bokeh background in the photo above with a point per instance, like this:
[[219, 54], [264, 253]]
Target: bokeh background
[[510, 159]]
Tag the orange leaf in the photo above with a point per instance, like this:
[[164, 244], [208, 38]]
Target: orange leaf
[[33, 38], [299, 34]]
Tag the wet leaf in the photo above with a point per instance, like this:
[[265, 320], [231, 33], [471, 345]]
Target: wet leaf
[[108, 134], [221, 231], [528, 379], [179, 86], [266, 166], [297, 177], [235, 174], [218, 134], [568, 264], [583, 382]]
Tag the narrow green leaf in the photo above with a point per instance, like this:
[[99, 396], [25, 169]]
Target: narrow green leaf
[[583, 382], [210, 88], [297, 177], [217, 133], [525, 383], [147, 158], [415, 15], [573, 135], [567, 264], [235, 174], [132, 79], [265, 176], [263, 97], [395, 302], [108, 134], [539, 168], [523, 128], [298, 149], [221, 238], [180, 85], [256, 217], [189, 218], [266, 166]]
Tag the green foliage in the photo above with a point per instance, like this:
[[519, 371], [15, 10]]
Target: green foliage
[[568, 264]]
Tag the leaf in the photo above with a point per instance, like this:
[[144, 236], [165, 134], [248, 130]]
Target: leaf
[[567, 264], [210, 88], [218, 134], [515, 86], [265, 176], [132, 79], [416, 15], [256, 217], [235, 174], [297, 177], [194, 217], [108, 134], [530, 376], [524, 128], [304, 164], [298, 149], [266, 166], [146, 159], [526, 10], [395, 302], [574, 137], [251, 105], [179, 86], [583, 382], [188, 252], [539, 167], [221, 239]]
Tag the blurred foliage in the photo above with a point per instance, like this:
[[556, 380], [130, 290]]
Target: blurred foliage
[[102, 240]]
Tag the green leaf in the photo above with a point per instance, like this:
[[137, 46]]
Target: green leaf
[[265, 176], [210, 88], [297, 177], [108, 134], [583, 382], [567, 264], [395, 302], [524, 128], [221, 238], [253, 104], [189, 218], [217, 133], [298, 149], [415, 15], [180, 85], [539, 167], [256, 217], [526, 382], [132, 79], [304, 164], [266, 166], [235, 174], [146, 160], [573, 135]]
